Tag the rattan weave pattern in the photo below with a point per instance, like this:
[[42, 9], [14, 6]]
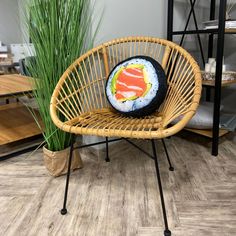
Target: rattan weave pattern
[[79, 104]]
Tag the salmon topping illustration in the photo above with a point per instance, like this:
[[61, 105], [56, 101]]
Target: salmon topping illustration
[[130, 83]]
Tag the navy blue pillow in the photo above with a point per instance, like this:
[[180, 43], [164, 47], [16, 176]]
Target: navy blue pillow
[[136, 86]]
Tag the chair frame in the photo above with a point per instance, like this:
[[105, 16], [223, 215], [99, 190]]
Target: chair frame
[[182, 99], [64, 210]]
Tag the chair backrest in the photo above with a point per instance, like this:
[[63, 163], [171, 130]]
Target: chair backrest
[[82, 86]]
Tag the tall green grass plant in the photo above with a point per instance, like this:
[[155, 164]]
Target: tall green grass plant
[[60, 31]]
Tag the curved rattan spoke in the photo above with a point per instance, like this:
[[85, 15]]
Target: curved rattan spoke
[[79, 104]]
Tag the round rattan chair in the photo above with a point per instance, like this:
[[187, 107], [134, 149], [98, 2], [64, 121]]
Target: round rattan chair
[[79, 104]]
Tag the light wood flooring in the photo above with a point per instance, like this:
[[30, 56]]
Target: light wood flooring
[[121, 197]]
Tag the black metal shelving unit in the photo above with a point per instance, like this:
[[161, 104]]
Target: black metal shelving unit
[[220, 34]]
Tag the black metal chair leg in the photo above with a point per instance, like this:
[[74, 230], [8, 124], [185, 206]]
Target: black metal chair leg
[[107, 151], [171, 168], [64, 209], [167, 232]]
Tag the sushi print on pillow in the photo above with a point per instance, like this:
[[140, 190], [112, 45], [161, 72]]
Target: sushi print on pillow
[[137, 86]]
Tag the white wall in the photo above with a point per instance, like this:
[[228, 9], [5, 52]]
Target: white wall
[[22, 15], [10, 29], [131, 17], [149, 17]]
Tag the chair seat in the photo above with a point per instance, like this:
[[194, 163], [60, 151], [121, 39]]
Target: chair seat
[[106, 122]]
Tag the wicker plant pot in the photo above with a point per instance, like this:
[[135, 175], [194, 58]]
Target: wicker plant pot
[[57, 162]]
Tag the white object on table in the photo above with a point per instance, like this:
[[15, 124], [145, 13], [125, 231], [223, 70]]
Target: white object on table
[[3, 48], [22, 50], [211, 61], [223, 68], [207, 67], [213, 69]]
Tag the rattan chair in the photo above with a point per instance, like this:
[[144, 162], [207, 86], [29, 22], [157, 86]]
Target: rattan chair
[[79, 105]]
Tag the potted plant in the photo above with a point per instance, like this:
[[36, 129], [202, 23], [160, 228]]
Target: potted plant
[[60, 31]]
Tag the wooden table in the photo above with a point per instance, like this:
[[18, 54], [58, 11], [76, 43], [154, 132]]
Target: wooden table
[[14, 85], [16, 122]]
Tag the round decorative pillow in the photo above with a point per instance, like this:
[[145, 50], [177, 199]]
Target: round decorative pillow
[[136, 86]]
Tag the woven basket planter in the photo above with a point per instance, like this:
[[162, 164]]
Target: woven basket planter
[[57, 162]]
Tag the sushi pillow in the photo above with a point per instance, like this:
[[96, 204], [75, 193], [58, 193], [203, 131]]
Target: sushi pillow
[[136, 86]]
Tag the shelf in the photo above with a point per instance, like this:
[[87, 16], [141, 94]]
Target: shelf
[[16, 123], [220, 32], [223, 84], [206, 132], [15, 148], [204, 31], [14, 84], [230, 31]]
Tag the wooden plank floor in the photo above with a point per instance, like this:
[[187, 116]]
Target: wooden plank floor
[[121, 197]]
